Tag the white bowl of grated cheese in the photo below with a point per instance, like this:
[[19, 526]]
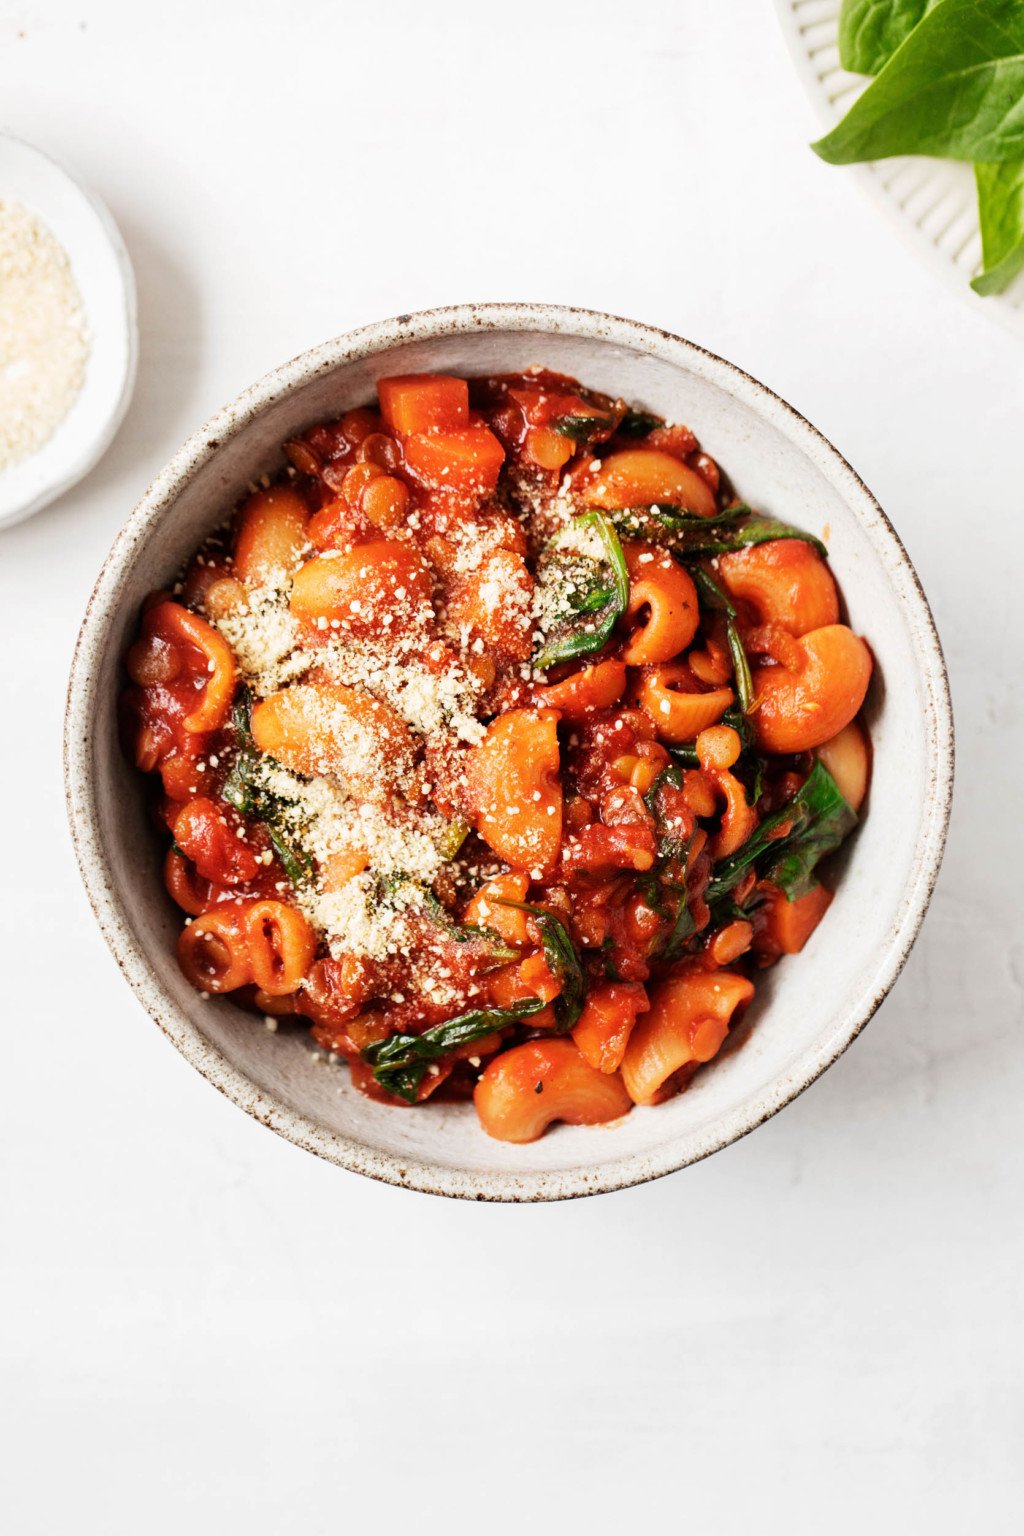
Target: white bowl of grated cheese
[[805, 1013], [68, 334]]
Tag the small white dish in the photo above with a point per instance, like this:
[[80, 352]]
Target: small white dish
[[807, 1011], [932, 203], [106, 283]]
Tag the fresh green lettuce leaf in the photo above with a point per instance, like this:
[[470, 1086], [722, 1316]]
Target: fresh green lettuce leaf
[[870, 31], [955, 89], [1001, 213]]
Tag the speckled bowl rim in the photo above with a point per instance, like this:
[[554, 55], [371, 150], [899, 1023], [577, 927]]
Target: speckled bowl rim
[[80, 788]]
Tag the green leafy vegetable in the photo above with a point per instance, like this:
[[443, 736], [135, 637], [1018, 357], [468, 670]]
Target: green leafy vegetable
[[664, 517], [243, 790], [661, 882], [750, 766], [583, 429], [715, 598], [870, 31], [740, 723], [756, 530], [584, 589], [683, 928], [563, 962], [400, 1061], [412, 896], [954, 88], [638, 424], [610, 968], [668, 775], [787, 845], [688, 535], [1001, 212]]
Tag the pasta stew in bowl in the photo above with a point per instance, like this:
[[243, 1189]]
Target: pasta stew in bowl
[[498, 742], [497, 737]]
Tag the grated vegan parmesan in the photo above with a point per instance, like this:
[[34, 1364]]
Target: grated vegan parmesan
[[44, 339]]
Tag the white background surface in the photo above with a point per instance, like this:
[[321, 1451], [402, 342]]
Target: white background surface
[[205, 1329]]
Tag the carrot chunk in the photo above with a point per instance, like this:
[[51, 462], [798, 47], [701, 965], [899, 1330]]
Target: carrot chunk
[[467, 460], [424, 402]]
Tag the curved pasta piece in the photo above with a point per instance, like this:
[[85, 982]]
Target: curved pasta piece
[[639, 477], [739, 819], [803, 708], [602, 1031], [493, 604], [785, 581], [679, 714], [597, 686], [847, 756], [193, 653], [328, 728], [213, 951], [713, 665], [662, 613], [202, 833], [271, 534], [281, 946], [515, 790], [718, 748], [524, 1089], [377, 588], [687, 1023], [187, 887]]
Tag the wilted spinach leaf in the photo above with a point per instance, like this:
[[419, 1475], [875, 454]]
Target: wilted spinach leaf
[[787, 845], [716, 599], [584, 588], [400, 1061], [639, 424], [563, 962], [584, 429], [243, 790]]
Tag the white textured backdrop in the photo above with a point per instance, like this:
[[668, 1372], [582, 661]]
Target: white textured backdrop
[[205, 1329]]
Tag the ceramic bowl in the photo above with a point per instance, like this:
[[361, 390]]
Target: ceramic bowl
[[106, 283], [807, 1010]]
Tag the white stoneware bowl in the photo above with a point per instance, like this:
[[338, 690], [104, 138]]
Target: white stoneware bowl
[[106, 283], [807, 1010]]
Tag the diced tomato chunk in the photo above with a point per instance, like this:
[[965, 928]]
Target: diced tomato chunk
[[422, 402]]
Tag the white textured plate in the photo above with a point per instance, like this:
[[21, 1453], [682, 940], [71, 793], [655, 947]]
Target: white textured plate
[[932, 202], [106, 284]]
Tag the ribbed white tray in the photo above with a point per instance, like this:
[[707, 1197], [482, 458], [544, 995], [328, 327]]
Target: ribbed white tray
[[931, 202]]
